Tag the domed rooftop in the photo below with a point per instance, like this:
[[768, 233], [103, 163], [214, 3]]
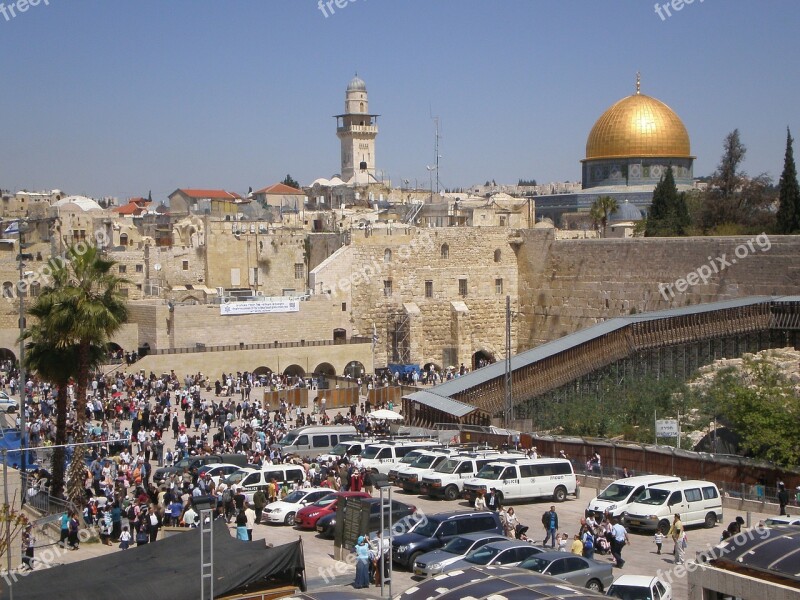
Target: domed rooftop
[[638, 125], [356, 85], [625, 212]]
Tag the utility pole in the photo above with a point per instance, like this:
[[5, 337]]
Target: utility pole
[[509, 409], [23, 426]]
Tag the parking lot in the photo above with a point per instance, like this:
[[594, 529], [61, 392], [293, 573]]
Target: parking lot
[[323, 571]]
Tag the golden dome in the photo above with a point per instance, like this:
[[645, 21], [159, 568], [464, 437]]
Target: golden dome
[[635, 126]]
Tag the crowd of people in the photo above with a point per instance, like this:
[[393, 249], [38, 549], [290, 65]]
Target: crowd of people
[[141, 422]]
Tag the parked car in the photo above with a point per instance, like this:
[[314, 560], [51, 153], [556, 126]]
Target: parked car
[[640, 587], [236, 477], [436, 530], [312, 440], [307, 517], [621, 493], [508, 553], [697, 502], [7, 403], [433, 563], [527, 479], [782, 521], [585, 572], [215, 472], [195, 462], [326, 525], [259, 480], [284, 511]]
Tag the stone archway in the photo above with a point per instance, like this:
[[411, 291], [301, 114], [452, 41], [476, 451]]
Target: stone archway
[[325, 369], [354, 370], [482, 358], [7, 357], [294, 371], [259, 371]]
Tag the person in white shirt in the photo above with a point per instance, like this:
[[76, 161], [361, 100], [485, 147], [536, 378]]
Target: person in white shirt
[[190, 517]]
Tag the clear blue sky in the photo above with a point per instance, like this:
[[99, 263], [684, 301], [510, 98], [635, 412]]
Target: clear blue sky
[[118, 98]]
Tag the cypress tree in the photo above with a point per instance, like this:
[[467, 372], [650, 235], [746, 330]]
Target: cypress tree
[[788, 219], [668, 213]]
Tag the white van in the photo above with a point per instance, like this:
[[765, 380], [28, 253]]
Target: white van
[[525, 480], [347, 449], [313, 440], [698, 503], [622, 492], [447, 479], [410, 476], [382, 457], [259, 480]]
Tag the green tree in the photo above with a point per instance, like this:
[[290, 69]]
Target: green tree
[[760, 405], [290, 182], [84, 309], [788, 218], [601, 209], [734, 198], [669, 214]]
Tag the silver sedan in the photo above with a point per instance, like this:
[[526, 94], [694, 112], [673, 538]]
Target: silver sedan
[[573, 569]]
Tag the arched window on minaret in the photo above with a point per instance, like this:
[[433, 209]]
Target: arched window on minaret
[[361, 107]]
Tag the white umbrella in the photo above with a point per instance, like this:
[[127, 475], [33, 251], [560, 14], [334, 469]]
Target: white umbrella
[[385, 414]]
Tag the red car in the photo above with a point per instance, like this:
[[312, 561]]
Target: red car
[[307, 517]]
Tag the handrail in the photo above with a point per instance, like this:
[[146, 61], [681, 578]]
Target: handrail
[[266, 346]]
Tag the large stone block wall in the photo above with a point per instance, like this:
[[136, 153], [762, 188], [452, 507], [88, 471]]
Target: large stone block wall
[[567, 285], [416, 257], [189, 324], [273, 254]]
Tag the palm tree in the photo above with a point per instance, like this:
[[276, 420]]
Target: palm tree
[[56, 365], [602, 208], [81, 310]]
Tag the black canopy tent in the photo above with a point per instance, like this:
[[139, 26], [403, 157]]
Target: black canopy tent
[[169, 568]]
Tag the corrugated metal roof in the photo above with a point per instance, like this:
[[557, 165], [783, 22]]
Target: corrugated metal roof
[[493, 371], [442, 403]]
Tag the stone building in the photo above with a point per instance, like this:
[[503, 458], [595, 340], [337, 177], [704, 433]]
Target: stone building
[[433, 296]]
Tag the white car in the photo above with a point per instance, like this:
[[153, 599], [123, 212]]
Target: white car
[[7, 403], [283, 511], [215, 471], [640, 587], [782, 520]]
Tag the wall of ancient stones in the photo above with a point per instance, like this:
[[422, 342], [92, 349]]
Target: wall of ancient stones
[[567, 285]]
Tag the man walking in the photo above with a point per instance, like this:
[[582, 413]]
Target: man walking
[[619, 537], [676, 533], [491, 500], [550, 523], [783, 498], [259, 502]]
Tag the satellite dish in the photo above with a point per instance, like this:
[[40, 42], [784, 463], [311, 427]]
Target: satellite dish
[[157, 266]]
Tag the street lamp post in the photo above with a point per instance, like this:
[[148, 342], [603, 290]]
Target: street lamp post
[[23, 437]]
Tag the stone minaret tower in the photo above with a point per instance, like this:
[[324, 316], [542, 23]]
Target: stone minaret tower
[[357, 129]]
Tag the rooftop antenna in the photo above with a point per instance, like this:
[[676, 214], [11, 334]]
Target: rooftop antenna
[[437, 156]]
